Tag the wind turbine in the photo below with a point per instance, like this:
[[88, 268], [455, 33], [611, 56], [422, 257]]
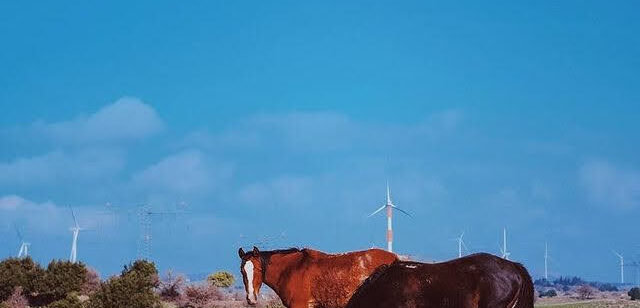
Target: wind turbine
[[389, 206], [546, 256], [24, 246], [503, 250], [621, 266], [461, 244], [73, 258]]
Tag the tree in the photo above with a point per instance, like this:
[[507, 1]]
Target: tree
[[71, 301], [634, 293], [221, 279], [61, 278], [22, 273], [133, 289]]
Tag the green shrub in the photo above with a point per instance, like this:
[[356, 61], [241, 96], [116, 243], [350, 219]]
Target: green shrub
[[133, 289], [549, 293], [71, 301], [60, 279], [221, 279], [634, 293], [22, 273]]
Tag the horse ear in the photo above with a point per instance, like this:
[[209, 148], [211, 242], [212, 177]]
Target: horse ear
[[241, 252], [255, 250]]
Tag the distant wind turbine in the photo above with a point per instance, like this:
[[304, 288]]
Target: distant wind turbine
[[503, 250], [73, 258], [24, 246], [621, 266], [546, 256], [389, 206], [460, 245]]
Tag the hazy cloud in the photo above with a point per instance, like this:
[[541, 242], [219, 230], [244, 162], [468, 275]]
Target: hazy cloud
[[323, 132], [14, 202], [59, 167], [126, 119], [610, 185], [187, 172], [280, 191]]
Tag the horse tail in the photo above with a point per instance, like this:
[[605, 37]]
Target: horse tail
[[524, 297]]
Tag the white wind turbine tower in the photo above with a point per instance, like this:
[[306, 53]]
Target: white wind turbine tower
[[73, 257], [503, 250], [389, 206], [621, 267], [24, 246], [460, 245], [546, 256]]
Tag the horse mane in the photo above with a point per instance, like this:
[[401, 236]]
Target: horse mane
[[265, 256], [269, 253]]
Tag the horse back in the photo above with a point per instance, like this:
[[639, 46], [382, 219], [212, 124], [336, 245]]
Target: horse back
[[333, 278], [475, 281]]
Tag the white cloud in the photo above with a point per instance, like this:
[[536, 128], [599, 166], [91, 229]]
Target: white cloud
[[126, 119], [187, 172], [610, 185], [61, 167], [34, 217], [324, 132], [14, 202]]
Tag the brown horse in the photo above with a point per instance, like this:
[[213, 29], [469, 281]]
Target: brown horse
[[476, 281], [309, 278]]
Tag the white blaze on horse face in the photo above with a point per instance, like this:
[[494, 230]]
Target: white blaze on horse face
[[248, 269]]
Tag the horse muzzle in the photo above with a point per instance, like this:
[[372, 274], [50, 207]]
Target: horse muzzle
[[251, 302]]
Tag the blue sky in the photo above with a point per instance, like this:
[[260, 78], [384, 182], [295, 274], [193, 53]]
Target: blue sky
[[284, 120]]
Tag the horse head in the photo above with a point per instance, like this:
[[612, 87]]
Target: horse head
[[252, 273]]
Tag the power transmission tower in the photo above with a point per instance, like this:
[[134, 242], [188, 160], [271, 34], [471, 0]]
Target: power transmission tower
[[145, 240]]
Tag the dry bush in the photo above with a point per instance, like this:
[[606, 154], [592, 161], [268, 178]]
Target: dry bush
[[200, 296], [17, 299], [330, 290], [585, 291], [92, 282], [171, 286]]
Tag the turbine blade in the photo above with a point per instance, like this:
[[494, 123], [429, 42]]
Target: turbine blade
[[401, 210], [388, 194], [18, 232], [75, 221], [378, 210]]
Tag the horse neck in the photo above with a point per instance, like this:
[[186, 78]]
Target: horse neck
[[277, 265]]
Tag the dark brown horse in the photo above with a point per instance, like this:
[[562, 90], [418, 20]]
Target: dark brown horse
[[309, 278], [476, 281]]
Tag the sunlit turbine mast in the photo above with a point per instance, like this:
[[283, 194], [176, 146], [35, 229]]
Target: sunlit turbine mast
[[460, 245], [503, 250], [75, 230], [389, 206], [24, 246], [546, 256], [621, 266]]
